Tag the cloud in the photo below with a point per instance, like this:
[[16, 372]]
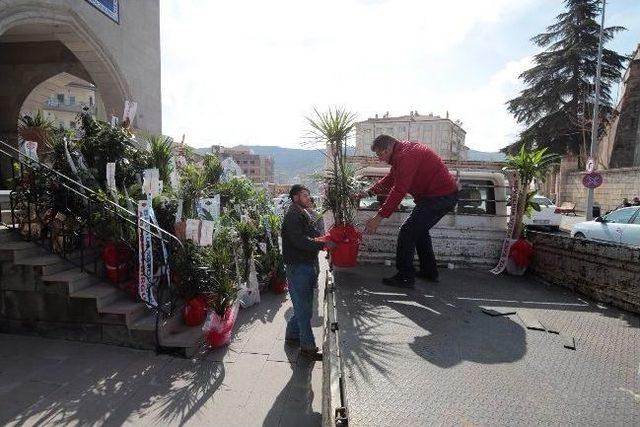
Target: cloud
[[488, 124], [249, 71]]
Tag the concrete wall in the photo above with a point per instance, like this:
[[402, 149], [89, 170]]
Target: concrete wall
[[607, 272], [121, 59], [618, 183], [464, 240]]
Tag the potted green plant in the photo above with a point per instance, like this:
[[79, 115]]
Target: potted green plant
[[35, 128], [334, 128], [223, 283], [527, 165]]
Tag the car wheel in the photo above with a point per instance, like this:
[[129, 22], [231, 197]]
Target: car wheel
[[579, 235]]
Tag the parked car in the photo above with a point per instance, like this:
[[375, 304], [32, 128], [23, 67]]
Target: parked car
[[548, 217], [620, 226]]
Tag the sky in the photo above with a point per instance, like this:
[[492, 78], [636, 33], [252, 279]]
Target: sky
[[250, 71]]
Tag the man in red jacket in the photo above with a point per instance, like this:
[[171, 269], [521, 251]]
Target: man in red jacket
[[419, 171]]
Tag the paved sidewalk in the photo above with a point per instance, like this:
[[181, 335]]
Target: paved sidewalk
[[257, 381], [430, 356]]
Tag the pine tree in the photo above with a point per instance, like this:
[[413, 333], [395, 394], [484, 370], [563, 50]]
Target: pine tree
[[557, 104]]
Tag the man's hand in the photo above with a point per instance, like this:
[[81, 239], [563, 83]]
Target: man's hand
[[359, 195], [329, 244], [372, 225]]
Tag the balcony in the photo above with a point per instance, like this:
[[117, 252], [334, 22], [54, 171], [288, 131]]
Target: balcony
[[56, 105]]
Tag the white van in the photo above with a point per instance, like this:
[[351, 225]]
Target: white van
[[472, 234]]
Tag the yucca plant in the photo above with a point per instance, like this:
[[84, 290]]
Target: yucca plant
[[528, 165], [35, 128], [333, 129], [160, 150]]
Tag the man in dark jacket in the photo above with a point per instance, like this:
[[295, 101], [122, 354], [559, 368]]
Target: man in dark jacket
[[419, 171], [300, 247]]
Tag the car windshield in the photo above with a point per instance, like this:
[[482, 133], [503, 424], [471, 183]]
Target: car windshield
[[542, 201], [621, 216]]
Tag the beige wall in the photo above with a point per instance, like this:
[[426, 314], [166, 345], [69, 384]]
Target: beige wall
[[617, 184]]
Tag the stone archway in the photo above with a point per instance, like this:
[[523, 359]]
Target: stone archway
[[38, 41]]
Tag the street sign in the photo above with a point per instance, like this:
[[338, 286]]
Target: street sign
[[590, 165], [592, 180]]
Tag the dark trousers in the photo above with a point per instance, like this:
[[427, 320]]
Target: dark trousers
[[414, 234]]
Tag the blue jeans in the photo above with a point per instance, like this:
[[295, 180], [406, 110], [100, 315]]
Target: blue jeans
[[301, 278]]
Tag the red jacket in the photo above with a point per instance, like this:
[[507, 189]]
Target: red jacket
[[415, 169]]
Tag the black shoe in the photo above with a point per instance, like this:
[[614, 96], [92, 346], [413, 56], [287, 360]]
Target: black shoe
[[399, 281], [433, 278]]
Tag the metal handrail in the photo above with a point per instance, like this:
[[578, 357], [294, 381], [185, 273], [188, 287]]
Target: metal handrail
[[20, 158], [89, 196]]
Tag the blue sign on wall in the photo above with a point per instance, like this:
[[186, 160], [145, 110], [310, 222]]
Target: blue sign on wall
[[108, 7]]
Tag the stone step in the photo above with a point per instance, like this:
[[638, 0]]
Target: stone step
[[8, 235], [15, 250], [132, 311], [145, 323], [190, 338], [73, 278], [103, 294]]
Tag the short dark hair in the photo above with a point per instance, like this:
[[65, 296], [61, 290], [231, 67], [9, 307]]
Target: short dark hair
[[382, 142], [295, 189]]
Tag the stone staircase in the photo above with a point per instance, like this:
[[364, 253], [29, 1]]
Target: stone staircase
[[43, 294]]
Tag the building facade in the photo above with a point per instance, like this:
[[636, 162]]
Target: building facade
[[619, 147], [61, 102], [257, 168], [442, 135], [112, 44]]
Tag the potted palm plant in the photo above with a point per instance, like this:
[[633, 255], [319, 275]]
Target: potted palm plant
[[334, 128], [527, 165]]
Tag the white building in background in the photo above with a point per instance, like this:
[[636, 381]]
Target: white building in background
[[442, 135], [60, 99], [230, 169]]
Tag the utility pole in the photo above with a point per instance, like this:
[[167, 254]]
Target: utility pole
[[594, 123]]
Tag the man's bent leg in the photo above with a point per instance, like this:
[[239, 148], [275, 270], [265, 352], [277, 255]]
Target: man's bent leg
[[428, 265], [406, 247], [428, 218]]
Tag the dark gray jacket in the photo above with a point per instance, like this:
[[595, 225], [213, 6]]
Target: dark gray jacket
[[297, 237]]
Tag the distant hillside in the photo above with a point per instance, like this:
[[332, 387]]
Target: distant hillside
[[485, 156], [293, 164], [288, 162]]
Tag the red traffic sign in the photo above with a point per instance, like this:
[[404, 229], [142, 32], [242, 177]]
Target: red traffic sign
[[592, 180]]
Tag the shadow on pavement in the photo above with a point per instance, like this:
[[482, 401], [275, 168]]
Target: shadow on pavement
[[442, 323]]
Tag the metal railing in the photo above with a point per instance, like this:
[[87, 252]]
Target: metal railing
[[335, 410], [75, 222]]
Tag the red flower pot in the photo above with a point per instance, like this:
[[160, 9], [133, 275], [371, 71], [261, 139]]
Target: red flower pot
[[116, 257], [194, 311], [521, 252], [218, 330], [279, 285], [347, 240]]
